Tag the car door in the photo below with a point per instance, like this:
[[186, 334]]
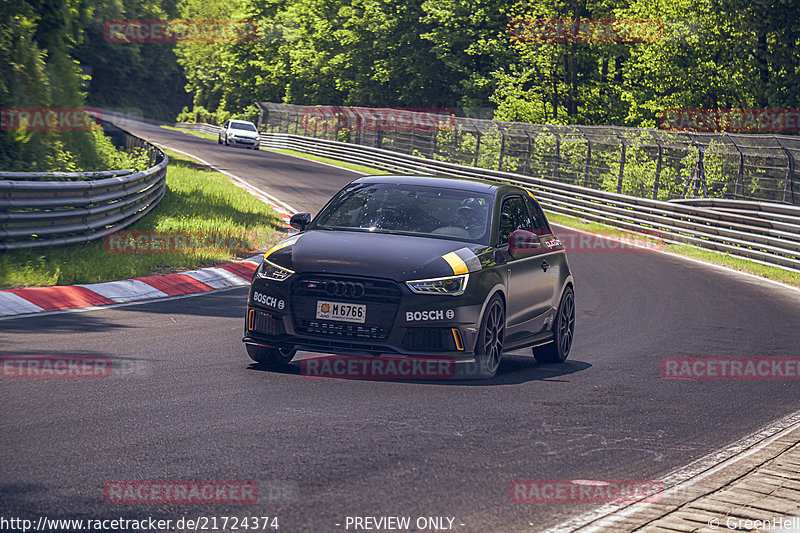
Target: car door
[[528, 283], [223, 132], [553, 250]]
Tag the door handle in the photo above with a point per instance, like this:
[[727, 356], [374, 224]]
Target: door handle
[[545, 265]]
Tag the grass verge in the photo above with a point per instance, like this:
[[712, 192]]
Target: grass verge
[[198, 201]]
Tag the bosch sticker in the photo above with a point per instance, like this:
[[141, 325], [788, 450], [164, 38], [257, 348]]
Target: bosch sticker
[[269, 301], [422, 316]]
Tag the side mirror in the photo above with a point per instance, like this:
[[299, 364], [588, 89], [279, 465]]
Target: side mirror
[[523, 242], [300, 221]]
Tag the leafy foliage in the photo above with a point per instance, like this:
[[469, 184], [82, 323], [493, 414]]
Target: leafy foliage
[[414, 53], [37, 70]]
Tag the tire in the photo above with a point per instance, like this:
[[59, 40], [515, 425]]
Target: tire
[[219, 141], [256, 147], [489, 347], [563, 331], [226, 141], [269, 356]]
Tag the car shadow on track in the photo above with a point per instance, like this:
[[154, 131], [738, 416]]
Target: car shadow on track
[[514, 369]]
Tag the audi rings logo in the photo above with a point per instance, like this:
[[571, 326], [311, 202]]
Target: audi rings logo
[[344, 288]]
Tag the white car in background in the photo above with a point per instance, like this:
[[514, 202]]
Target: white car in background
[[239, 133]]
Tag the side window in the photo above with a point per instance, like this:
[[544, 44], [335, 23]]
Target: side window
[[537, 215], [513, 215]]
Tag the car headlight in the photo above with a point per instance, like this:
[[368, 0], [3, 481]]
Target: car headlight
[[450, 285], [273, 272]]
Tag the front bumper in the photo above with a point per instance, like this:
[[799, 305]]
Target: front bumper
[[398, 322], [242, 141]]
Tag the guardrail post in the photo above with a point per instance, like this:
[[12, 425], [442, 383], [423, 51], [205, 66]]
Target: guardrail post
[[502, 146], [260, 115], [435, 143], [657, 179], [557, 165], [621, 168], [588, 162], [528, 152], [737, 192], [788, 187], [700, 178], [456, 128], [337, 114], [698, 174], [413, 134], [395, 131]]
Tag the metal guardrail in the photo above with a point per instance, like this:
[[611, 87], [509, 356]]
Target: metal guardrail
[[649, 163], [199, 127], [45, 209], [764, 232]]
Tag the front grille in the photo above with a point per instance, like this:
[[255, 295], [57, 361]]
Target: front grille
[[347, 289], [380, 296], [429, 339], [267, 324]]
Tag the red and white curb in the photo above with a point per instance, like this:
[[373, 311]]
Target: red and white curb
[[29, 301]]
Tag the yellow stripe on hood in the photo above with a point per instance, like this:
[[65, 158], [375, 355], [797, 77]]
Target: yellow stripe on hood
[[283, 244], [456, 263]]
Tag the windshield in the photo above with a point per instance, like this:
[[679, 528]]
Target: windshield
[[246, 126], [408, 209]]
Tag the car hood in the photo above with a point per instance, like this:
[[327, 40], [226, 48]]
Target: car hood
[[380, 255], [244, 133]]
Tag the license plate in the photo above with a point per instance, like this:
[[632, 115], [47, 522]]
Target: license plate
[[341, 312]]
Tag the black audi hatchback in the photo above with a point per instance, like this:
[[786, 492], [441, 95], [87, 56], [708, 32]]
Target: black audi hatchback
[[416, 266]]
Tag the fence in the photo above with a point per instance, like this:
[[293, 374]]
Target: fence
[[56, 208], [647, 163]]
